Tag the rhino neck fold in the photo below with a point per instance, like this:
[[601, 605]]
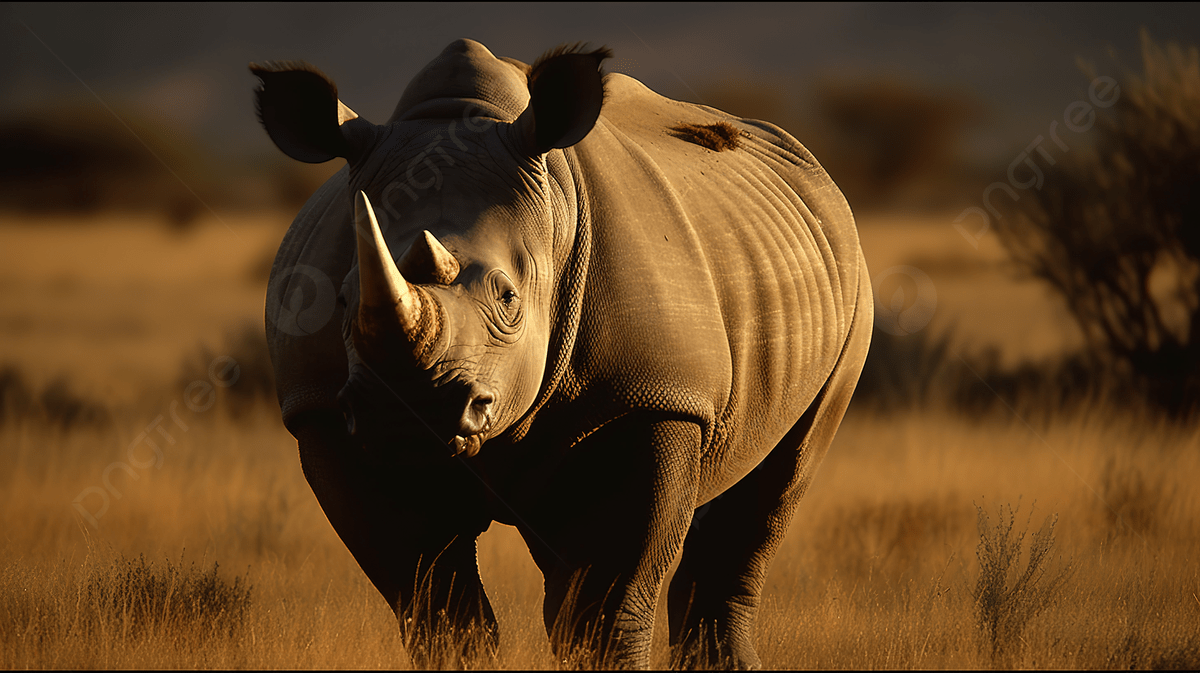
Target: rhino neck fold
[[568, 291]]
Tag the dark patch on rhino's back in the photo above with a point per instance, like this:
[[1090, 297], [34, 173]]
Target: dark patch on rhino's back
[[716, 137]]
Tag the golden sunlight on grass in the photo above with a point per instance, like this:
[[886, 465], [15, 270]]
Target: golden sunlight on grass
[[882, 565], [222, 557], [113, 304]]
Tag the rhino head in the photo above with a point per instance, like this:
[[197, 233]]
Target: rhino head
[[448, 340]]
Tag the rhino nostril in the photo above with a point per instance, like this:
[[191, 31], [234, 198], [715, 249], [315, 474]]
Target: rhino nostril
[[477, 413]]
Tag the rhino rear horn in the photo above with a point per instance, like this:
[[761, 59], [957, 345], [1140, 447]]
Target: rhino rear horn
[[386, 301], [428, 260], [299, 108]]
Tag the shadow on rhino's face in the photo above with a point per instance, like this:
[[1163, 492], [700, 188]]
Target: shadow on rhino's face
[[442, 396], [421, 415], [440, 356]]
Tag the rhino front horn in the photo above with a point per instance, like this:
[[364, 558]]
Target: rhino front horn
[[386, 301]]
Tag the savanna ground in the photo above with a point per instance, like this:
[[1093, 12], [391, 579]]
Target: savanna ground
[[901, 555]]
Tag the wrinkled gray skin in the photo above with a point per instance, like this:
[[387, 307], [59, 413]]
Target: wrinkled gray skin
[[689, 329]]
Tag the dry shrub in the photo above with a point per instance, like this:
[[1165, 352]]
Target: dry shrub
[[80, 158], [1008, 597], [1143, 651], [888, 137], [136, 598], [922, 370], [903, 372], [1138, 652], [116, 613]]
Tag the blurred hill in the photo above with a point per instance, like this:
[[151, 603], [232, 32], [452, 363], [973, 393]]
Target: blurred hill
[[80, 158], [183, 68], [887, 144]]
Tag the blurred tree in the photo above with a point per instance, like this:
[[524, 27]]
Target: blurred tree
[[1117, 232], [883, 142], [888, 137]]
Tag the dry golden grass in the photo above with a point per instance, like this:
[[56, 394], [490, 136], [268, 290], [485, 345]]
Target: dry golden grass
[[221, 557], [880, 569], [881, 565], [113, 302]]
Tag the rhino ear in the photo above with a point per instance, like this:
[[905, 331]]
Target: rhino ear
[[299, 108], [566, 92]]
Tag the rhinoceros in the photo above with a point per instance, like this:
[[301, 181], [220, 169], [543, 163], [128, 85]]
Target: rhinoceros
[[549, 297]]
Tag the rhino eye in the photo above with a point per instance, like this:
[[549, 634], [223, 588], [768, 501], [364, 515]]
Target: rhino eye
[[506, 306], [510, 306], [510, 303]]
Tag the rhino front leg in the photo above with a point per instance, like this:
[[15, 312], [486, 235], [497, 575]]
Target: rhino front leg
[[606, 533], [416, 548]]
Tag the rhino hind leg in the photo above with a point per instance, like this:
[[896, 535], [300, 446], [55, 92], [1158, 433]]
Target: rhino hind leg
[[713, 599], [606, 544], [425, 570], [714, 596]]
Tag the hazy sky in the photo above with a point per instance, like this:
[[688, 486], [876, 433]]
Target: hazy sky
[[187, 63]]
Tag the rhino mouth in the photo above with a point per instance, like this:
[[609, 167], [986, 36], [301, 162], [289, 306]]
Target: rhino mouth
[[469, 445]]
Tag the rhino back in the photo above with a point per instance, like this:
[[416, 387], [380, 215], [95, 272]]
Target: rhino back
[[722, 282]]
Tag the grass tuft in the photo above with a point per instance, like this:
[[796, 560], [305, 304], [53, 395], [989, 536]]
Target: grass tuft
[[1007, 596]]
